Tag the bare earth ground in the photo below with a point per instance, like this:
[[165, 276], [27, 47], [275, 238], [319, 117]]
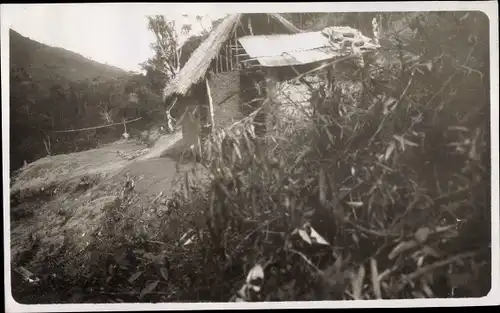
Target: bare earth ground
[[60, 202]]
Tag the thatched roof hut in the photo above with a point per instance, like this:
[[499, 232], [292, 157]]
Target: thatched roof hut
[[242, 60], [210, 88], [232, 27]]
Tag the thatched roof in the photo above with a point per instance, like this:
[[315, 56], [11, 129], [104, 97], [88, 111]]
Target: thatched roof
[[195, 69]]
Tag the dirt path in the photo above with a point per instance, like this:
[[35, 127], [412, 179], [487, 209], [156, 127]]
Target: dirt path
[[71, 194], [101, 161]]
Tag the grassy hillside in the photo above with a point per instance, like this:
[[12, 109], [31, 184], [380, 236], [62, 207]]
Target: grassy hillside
[[45, 62], [53, 88]]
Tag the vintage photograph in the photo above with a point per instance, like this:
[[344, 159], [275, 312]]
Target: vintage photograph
[[248, 157]]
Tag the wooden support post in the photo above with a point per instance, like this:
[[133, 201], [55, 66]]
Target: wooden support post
[[216, 64], [227, 59], [261, 118], [230, 58], [250, 29], [271, 85], [210, 106], [237, 61]]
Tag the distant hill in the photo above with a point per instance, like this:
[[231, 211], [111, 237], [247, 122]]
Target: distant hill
[[41, 61], [53, 88]]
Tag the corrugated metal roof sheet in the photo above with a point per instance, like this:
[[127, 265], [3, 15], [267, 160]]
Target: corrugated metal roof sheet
[[302, 48], [273, 45]]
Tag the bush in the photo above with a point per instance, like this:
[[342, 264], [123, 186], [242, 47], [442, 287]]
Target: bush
[[394, 181], [38, 112]]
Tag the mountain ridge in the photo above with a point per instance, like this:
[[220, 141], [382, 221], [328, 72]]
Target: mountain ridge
[[37, 58], [52, 87]]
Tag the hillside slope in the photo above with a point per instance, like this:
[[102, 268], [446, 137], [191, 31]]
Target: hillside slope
[[51, 88], [43, 61]]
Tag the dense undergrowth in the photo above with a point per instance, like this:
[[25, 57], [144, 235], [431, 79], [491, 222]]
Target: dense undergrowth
[[385, 194], [396, 182], [43, 119]]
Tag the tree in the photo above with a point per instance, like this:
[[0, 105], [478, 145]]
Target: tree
[[173, 47], [168, 47], [175, 42]]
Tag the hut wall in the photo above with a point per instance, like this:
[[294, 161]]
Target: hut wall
[[225, 96], [252, 92], [191, 121]]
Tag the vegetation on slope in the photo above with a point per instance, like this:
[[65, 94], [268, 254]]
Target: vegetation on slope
[[53, 90], [388, 198], [49, 90]]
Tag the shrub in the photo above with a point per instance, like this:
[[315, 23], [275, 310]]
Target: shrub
[[393, 180]]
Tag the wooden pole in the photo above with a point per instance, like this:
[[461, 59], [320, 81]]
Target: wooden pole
[[230, 57], [250, 26], [227, 59], [216, 64], [271, 85], [210, 106], [237, 61]]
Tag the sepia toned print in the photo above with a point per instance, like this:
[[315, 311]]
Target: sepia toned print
[[256, 157]]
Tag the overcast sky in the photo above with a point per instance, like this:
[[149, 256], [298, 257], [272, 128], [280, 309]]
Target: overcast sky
[[113, 34]]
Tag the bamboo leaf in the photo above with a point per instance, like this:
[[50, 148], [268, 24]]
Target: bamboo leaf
[[389, 150], [303, 234], [322, 186], [402, 247], [317, 238], [357, 283], [428, 64], [188, 188], [403, 141], [255, 277], [237, 150], [189, 241], [422, 234], [185, 235], [149, 288], [375, 280], [163, 273], [400, 140], [242, 293], [355, 204], [432, 252], [410, 143], [209, 150]]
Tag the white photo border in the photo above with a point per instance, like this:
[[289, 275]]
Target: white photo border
[[490, 8]]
